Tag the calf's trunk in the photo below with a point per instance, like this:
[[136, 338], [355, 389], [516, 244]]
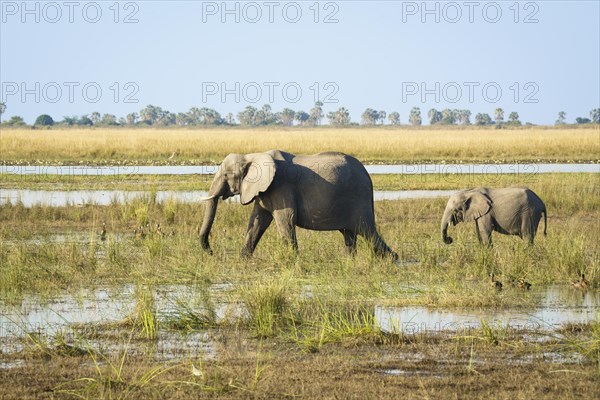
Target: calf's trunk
[[446, 219]]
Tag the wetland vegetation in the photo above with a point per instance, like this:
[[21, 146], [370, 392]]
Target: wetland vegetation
[[294, 325]]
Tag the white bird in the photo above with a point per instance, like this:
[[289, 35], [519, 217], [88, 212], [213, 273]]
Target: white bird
[[196, 371]]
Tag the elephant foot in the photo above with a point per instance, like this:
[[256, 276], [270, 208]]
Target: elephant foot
[[205, 245], [207, 249], [351, 252], [246, 253]]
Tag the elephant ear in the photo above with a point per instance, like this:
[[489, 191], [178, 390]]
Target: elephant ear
[[259, 172], [476, 206]]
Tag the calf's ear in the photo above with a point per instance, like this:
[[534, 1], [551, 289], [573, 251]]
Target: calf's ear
[[476, 206]]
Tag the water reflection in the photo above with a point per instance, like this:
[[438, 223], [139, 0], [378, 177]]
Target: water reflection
[[35, 317], [557, 305], [58, 198]]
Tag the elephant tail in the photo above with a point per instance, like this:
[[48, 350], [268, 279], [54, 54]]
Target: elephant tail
[[545, 221]]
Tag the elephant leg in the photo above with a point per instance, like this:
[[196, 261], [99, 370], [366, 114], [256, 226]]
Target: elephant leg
[[528, 231], [286, 224], [530, 238], [478, 233], [379, 246], [484, 232], [259, 222], [350, 241]]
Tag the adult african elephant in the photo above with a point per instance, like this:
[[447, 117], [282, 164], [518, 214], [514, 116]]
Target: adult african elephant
[[323, 192], [510, 211]]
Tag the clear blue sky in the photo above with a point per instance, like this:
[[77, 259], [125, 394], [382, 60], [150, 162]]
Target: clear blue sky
[[378, 54]]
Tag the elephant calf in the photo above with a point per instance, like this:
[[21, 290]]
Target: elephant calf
[[510, 211], [322, 192]]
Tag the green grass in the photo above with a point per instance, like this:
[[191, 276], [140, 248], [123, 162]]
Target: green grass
[[36, 260], [266, 304], [153, 183], [455, 274]]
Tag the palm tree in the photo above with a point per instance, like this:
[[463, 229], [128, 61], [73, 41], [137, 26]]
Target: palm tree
[[434, 116], [394, 118], [301, 117], [513, 118], [483, 119], [331, 116], [287, 116], [181, 119], [447, 117], [212, 117], [415, 116], [340, 117], [264, 116], [194, 116], [247, 117], [343, 116], [464, 117], [595, 115], [499, 116], [149, 115], [108, 119], [369, 117], [131, 118], [86, 121], [95, 117], [316, 113]]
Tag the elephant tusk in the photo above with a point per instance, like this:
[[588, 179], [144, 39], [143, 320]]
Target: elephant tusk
[[207, 198]]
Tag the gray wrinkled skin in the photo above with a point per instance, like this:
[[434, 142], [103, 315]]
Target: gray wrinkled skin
[[322, 192], [510, 211]]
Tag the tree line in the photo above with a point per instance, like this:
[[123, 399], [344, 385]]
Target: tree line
[[252, 116]]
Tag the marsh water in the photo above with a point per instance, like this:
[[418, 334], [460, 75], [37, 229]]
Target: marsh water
[[60, 198], [409, 169], [33, 316], [554, 306], [105, 197], [36, 317]]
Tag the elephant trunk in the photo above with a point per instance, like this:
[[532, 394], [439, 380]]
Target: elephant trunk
[[216, 191], [446, 219], [209, 217]]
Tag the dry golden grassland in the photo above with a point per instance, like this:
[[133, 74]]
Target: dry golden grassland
[[156, 146]]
